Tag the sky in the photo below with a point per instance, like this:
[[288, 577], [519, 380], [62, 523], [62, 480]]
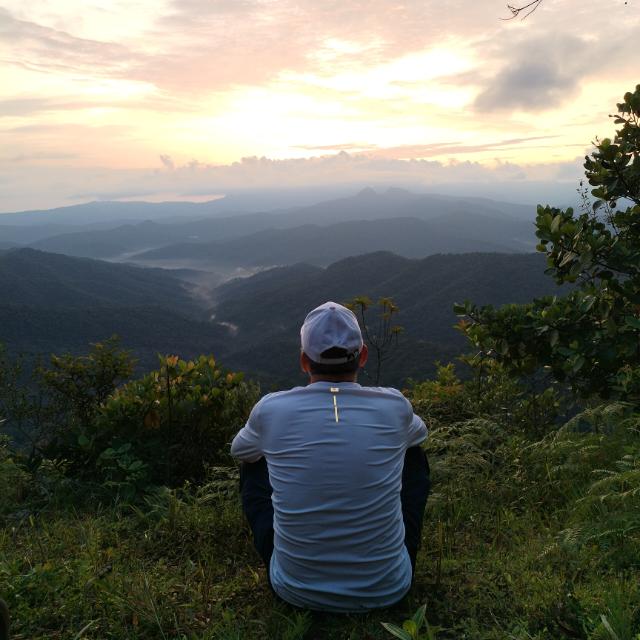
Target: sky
[[187, 99]]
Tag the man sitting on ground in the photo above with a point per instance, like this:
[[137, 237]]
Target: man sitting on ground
[[334, 482]]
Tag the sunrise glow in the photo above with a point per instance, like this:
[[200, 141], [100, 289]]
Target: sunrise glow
[[106, 90]]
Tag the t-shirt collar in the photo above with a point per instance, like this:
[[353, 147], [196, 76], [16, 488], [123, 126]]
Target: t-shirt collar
[[342, 385]]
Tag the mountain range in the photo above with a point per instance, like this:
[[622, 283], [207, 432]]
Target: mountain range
[[321, 245], [164, 276], [57, 303], [416, 224]]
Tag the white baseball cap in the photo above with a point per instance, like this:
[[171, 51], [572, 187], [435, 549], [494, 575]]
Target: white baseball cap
[[327, 326]]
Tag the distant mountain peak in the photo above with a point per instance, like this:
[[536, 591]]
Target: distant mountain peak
[[367, 192]]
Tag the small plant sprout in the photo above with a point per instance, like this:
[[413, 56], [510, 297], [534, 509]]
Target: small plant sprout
[[410, 629]]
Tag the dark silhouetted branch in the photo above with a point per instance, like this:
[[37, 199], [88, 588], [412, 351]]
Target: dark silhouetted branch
[[527, 9]]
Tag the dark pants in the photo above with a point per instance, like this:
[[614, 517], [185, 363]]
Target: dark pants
[[258, 509]]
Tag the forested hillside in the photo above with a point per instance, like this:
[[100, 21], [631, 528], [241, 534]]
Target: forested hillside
[[47, 279], [57, 303], [424, 290]]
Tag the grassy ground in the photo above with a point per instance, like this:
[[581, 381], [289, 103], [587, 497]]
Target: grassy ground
[[523, 538]]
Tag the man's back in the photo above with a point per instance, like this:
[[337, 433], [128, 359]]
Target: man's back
[[335, 453]]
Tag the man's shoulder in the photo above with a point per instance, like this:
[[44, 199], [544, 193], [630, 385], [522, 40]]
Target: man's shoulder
[[395, 397], [278, 397], [386, 391], [390, 393]]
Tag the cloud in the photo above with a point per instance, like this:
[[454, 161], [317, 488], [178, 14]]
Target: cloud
[[205, 46], [341, 168], [199, 46], [36, 157], [25, 106], [167, 162], [58, 184], [42, 48], [538, 72], [438, 149], [451, 148]]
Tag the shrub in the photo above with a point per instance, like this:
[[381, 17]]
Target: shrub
[[173, 422]]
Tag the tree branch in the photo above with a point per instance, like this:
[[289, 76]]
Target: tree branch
[[528, 8]]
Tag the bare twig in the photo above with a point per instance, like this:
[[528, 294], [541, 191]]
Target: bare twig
[[528, 9]]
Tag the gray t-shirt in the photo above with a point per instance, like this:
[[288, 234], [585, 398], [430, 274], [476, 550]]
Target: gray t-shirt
[[335, 454]]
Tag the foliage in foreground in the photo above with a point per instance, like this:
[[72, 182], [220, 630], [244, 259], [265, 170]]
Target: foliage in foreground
[[165, 427], [529, 533]]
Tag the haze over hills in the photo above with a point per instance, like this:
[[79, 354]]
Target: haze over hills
[[445, 224], [232, 202], [112, 211], [409, 237], [424, 250]]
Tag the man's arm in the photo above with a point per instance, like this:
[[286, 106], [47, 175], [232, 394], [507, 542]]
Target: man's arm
[[246, 446], [417, 431]]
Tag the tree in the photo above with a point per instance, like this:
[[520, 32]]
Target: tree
[[380, 334], [589, 338]]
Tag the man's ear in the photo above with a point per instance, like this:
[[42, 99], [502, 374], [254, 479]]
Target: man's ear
[[305, 362], [364, 355]]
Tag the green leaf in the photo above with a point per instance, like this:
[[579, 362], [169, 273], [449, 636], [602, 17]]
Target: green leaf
[[632, 321], [396, 631], [419, 615], [587, 303], [578, 364], [410, 627], [554, 336], [613, 635], [568, 257]]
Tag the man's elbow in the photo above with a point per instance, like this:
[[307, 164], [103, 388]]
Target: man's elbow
[[241, 452]]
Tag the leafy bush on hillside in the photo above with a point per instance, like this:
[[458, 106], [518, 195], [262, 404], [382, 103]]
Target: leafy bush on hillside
[[47, 407], [522, 404], [164, 428], [177, 420], [605, 460], [13, 478]]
